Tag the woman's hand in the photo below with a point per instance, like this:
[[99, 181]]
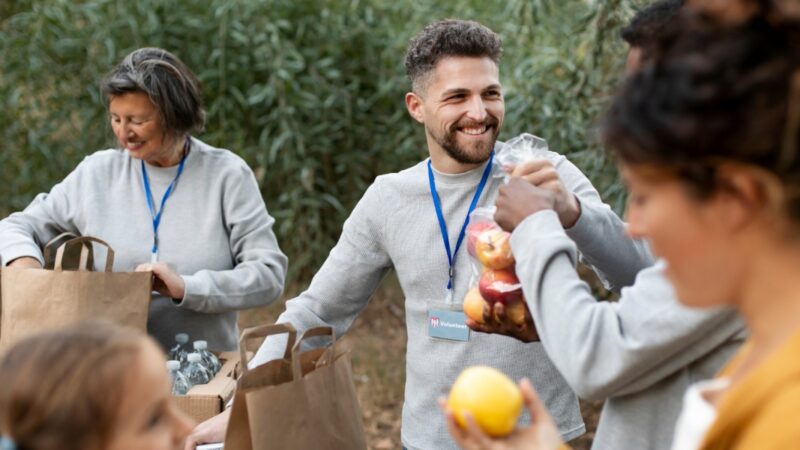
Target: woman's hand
[[166, 281], [211, 431], [552, 194], [25, 262], [519, 199], [542, 434]]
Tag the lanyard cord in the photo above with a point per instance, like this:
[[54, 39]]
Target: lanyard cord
[[443, 226], [156, 215]]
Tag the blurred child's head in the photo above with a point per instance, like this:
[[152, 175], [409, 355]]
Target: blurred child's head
[[91, 386]]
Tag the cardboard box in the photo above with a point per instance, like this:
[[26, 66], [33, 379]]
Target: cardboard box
[[205, 401]]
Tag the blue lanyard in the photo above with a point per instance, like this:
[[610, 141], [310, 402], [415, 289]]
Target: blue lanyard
[[156, 216], [437, 204]]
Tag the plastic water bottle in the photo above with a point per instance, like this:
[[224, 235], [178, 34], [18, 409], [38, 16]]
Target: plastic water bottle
[[209, 360], [195, 371], [180, 385], [181, 349]]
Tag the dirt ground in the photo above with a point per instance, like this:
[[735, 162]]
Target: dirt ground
[[377, 344]]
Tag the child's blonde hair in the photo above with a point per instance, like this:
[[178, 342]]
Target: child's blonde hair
[[62, 389]]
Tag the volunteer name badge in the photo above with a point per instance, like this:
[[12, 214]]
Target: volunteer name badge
[[448, 325]]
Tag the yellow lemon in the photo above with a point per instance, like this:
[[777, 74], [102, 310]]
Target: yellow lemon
[[491, 398]]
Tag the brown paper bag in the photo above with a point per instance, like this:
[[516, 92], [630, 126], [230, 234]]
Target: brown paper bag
[[237, 436], [39, 299], [303, 401]]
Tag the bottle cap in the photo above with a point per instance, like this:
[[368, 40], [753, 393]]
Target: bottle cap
[[181, 338], [194, 357], [173, 365], [200, 345]]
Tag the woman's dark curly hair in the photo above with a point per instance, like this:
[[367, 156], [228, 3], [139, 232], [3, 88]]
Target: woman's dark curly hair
[[717, 89]]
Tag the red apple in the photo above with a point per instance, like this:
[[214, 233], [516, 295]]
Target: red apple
[[474, 229], [500, 286], [493, 249], [473, 305]]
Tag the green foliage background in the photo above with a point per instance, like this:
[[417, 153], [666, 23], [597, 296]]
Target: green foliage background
[[310, 93]]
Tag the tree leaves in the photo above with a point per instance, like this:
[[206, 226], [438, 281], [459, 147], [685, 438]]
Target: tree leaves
[[309, 93]]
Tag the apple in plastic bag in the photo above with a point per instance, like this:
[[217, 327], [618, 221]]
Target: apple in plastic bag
[[494, 249], [500, 286], [474, 229], [473, 305]]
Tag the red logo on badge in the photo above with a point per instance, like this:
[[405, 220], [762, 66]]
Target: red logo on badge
[[434, 322]]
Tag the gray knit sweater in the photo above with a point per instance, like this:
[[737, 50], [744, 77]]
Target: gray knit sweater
[[640, 353], [215, 231], [394, 226]]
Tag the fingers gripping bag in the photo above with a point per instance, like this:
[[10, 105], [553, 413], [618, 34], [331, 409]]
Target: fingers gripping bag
[[520, 150]]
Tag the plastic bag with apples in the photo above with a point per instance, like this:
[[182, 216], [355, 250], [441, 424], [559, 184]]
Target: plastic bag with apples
[[493, 276]]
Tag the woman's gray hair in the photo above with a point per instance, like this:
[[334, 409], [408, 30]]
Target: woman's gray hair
[[171, 86]]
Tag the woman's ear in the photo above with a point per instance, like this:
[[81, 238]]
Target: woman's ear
[[746, 193]]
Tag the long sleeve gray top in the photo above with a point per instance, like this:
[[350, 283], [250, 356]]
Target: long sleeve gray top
[[394, 225], [215, 232], [639, 353]]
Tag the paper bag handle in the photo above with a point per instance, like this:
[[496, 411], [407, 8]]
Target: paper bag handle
[[48, 248], [264, 331], [297, 371], [85, 249]]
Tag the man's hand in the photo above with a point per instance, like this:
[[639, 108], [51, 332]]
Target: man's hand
[[210, 431], [25, 262], [542, 434], [496, 321], [519, 199], [166, 281], [542, 174]]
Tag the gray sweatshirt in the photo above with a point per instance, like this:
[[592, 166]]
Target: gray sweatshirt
[[394, 225], [215, 232], [639, 353]]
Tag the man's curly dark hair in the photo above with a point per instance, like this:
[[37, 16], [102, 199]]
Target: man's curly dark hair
[[450, 37]]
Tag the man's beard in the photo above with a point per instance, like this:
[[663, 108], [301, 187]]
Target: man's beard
[[482, 149]]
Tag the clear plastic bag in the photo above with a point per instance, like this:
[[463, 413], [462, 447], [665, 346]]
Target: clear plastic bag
[[494, 279], [493, 276], [523, 148]]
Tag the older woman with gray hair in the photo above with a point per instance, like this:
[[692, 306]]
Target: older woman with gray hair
[[166, 202]]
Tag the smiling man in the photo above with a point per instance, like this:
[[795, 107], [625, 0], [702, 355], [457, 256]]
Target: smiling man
[[404, 220]]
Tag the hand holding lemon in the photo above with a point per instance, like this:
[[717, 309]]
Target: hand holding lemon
[[490, 397], [483, 408]]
